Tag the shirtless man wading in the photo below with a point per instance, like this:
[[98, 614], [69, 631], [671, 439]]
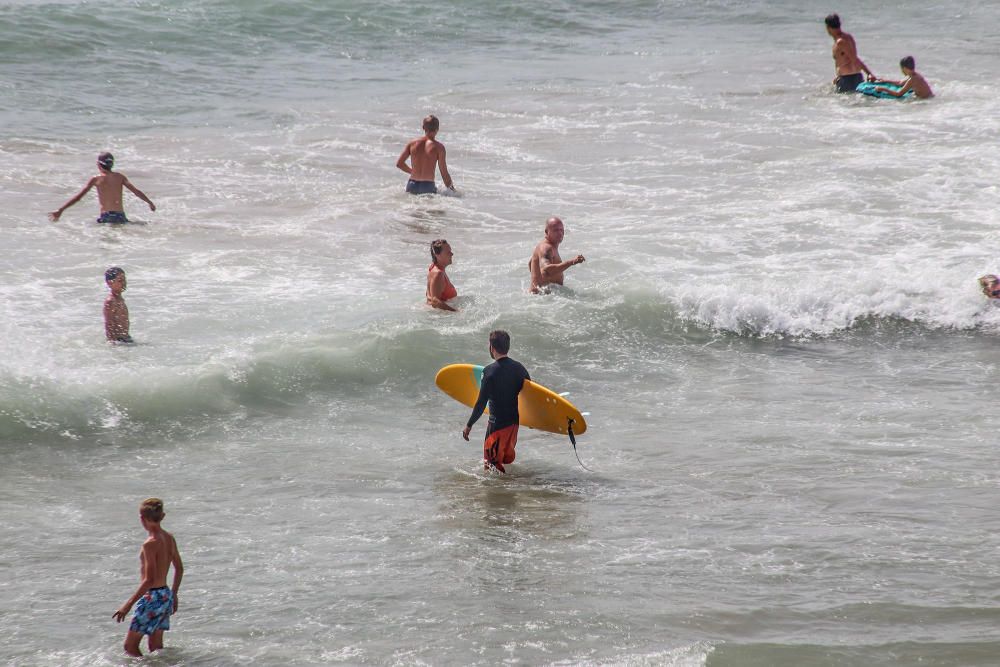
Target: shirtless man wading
[[109, 184], [546, 265], [845, 58], [425, 155]]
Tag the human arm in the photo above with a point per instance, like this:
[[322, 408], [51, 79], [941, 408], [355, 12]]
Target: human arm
[[175, 560], [138, 193], [479, 408], [403, 157], [54, 215], [443, 166], [549, 269], [904, 88], [871, 75], [441, 305], [147, 557]]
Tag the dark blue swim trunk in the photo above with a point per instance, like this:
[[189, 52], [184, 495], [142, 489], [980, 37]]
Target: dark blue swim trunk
[[421, 187], [113, 216], [849, 83]]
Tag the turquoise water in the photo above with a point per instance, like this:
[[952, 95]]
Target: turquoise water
[[777, 333]]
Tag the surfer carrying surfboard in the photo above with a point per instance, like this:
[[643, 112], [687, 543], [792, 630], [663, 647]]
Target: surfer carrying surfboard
[[502, 382], [546, 265]]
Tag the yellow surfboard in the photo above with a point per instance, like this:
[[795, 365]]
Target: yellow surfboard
[[538, 407]]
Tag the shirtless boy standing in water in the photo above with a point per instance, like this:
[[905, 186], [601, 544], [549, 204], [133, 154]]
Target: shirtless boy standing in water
[[845, 58], [156, 601], [546, 265], [116, 324], [425, 154], [109, 186]]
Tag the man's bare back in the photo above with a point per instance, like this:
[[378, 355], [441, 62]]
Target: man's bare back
[[425, 155], [158, 552]]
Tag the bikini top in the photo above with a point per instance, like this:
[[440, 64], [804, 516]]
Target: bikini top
[[449, 291]]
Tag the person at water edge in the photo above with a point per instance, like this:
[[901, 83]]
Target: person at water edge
[[156, 602], [425, 155], [914, 81], [502, 382], [109, 186], [990, 284], [116, 324], [439, 287], [545, 265], [845, 58]]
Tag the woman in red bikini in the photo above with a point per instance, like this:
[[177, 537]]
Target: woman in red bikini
[[439, 287]]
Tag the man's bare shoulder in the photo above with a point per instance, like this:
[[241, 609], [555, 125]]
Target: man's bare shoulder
[[159, 540], [109, 180]]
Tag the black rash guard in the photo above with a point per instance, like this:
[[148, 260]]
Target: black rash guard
[[502, 382]]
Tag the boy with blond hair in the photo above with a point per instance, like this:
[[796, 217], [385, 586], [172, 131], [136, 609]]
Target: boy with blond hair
[[156, 601]]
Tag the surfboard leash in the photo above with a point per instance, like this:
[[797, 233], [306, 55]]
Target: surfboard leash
[[572, 439]]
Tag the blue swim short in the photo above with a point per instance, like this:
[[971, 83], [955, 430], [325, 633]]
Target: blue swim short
[[113, 217], [421, 187], [849, 83], [152, 612]]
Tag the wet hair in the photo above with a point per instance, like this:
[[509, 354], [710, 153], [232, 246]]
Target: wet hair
[[113, 273], [106, 161], [833, 21], [908, 62], [431, 123], [500, 341], [151, 509], [436, 247]]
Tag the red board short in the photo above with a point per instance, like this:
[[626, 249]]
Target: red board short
[[498, 449]]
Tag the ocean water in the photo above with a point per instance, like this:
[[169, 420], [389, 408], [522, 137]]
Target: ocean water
[[778, 335]]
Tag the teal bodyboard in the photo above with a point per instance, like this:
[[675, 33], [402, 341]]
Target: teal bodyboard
[[868, 88]]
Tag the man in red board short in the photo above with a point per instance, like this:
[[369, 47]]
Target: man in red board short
[[502, 382]]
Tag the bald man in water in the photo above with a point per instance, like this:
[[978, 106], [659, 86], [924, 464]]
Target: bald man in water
[[546, 266]]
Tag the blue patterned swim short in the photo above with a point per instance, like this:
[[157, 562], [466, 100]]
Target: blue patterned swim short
[[113, 217], [153, 610]]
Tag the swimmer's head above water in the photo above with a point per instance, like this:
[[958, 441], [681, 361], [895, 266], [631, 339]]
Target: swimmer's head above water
[[431, 124], [990, 284], [106, 161], [441, 253], [151, 509]]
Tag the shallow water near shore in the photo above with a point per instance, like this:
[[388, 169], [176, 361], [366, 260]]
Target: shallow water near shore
[[777, 334]]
